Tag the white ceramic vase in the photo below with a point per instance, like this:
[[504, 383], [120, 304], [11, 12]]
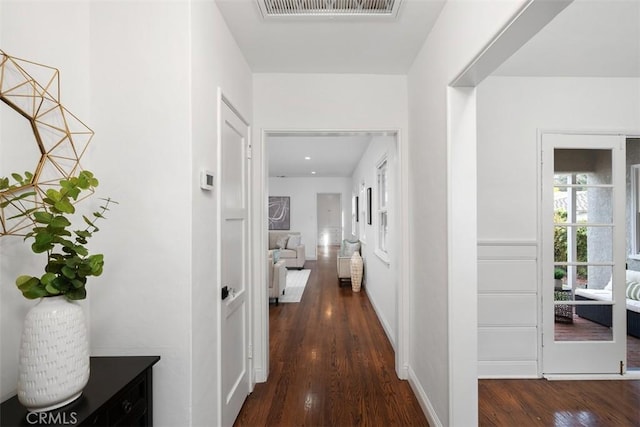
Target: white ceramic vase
[[356, 271], [54, 354]]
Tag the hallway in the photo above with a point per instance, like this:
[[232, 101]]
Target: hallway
[[331, 363]]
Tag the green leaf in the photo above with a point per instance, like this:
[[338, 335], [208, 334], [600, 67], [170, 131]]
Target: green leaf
[[42, 217], [86, 180], [43, 243], [47, 278], [73, 262], [25, 282], [68, 272], [16, 197], [60, 222], [52, 290], [31, 287], [96, 262], [66, 243], [54, 195], [77, 294], [64, 206], [88, 221], [17, 177], [83, 233], [35, 292]]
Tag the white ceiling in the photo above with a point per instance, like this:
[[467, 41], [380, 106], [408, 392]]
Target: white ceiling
[[369, 45], [587, 39], [590, 38], [331, 154]]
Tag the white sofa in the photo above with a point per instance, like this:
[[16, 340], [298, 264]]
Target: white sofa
[[602, 313], [291, 248]]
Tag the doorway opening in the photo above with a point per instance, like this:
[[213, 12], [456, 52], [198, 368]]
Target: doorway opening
[[311, 167], [330, 218], [633, 247]]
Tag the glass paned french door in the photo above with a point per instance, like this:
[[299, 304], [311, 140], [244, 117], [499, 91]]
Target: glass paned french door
[[583, 254]]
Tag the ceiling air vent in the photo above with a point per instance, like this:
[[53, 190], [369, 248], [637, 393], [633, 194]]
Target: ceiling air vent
[[332, 8]]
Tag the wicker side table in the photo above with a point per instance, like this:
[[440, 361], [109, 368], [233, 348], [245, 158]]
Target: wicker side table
[[563, 312]]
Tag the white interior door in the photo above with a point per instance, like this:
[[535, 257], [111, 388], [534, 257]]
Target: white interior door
[[583, 238], [329, 216], [234, 262]]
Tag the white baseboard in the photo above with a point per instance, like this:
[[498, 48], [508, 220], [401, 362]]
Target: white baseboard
[[383, 321], [629, 375], [423, 400], [260, 376]]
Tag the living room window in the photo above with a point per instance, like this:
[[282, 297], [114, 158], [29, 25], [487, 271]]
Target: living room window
[[382, 208]]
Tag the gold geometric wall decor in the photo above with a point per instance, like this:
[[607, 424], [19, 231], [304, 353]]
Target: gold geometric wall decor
[[33, 91]]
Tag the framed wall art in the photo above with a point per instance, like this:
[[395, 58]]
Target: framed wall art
[[279, 213], [369, 206]]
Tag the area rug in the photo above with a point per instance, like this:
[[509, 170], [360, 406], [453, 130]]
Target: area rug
[[296, 282]]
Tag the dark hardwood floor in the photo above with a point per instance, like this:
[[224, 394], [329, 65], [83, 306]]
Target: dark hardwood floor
[[585, 330], [331, 363], [539, 402], [559, 403]]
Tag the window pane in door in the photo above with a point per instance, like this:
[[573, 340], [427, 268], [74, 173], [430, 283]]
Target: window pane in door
[[582, 322], [595, 165]]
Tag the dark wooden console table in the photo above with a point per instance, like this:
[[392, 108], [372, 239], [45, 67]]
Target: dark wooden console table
[[119, 393]]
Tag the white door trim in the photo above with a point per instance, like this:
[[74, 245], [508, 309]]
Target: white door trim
[[626, 134], [461, 132], [222, 99], [260, 213]]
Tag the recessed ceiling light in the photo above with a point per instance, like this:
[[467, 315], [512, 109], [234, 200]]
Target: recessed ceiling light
[[313, 173], [307, 158]]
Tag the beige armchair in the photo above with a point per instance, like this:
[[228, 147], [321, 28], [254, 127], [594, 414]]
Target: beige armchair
[[344, 259], [277, 278]]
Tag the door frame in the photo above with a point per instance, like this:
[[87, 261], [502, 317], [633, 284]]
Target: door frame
[[260, 213], [542, 224], [249, 266], [625, 134]]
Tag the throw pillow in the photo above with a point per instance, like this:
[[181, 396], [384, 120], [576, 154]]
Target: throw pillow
[[633, 290], [276, 256], [294, 241], [350, 247], [281, 243]]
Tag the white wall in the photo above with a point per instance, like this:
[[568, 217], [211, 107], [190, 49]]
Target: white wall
[[25, 32], [444, 380], [216, 62], [140, 112], [381, 277], [507, 198], [148, 88], [304, 213], [316, 102]]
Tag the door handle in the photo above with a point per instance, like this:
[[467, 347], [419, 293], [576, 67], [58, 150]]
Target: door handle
[[228, 290]]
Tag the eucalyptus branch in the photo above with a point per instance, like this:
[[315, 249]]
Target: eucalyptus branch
[[68, 260]]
